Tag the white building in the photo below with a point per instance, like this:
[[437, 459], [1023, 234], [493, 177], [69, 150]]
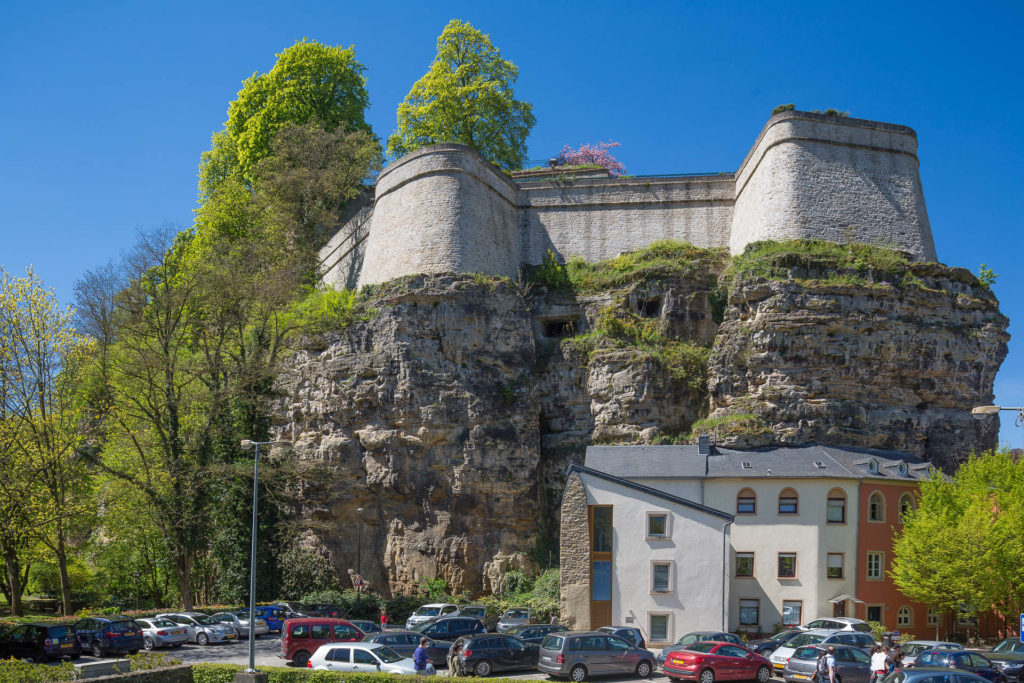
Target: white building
[[788, 517]]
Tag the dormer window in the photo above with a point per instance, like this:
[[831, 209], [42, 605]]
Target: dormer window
[[873, 466], [902, 468]]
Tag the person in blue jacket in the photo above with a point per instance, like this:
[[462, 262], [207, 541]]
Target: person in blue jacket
[[419, 657]]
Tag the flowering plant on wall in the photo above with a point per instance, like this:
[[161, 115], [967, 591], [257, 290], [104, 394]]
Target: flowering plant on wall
[[592, 154]]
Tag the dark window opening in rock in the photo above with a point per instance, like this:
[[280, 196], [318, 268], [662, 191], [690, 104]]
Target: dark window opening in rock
[[556, 329], [649, 308]]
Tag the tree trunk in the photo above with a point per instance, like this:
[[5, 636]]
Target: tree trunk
[[183, 565], [13, 581], [62, 566]]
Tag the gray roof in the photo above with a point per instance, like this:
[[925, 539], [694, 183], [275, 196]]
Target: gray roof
[[811, 461], [649, 491]]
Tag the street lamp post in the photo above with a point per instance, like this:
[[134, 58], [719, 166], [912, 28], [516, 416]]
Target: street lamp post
[[246, 443], [981, 412]]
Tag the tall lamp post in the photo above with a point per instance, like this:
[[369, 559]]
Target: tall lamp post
[[251, 674], [981, 412]]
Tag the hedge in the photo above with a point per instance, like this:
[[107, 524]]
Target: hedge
[[16, 671], [225, 673]]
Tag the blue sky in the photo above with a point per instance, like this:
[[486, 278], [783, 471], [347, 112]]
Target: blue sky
[[107, 106]]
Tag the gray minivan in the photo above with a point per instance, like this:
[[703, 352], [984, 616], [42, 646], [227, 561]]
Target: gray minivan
[[580, 654]]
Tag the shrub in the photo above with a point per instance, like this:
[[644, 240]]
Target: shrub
[[783, 107], [592, 154], [304, 571], [152, 660], [225, 673], [14, 671]]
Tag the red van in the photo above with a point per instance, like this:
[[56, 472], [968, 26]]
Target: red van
[[301, 637]]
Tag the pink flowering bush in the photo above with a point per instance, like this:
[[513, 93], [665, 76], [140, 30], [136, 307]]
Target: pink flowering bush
[[592, 154]]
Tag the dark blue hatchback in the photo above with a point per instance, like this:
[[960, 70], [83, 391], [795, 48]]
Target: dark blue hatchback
[[273, 615], [39, 642], [961, 659], [100, 635]]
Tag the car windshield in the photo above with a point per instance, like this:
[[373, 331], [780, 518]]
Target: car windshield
[[701, 647], [206, 621], [517, 614], [1009, 645], [691, 638], [552, 643], [863, 628], [387, 655], [474, 611], [783, 636], [912, 649], [162, 623], [806, 653], [121, 626], [805, 639], [58, 631], [428, 611]]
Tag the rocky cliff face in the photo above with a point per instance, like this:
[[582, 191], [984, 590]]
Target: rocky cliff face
[[450, 411]]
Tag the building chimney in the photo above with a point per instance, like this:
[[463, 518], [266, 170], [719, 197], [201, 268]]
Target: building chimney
[[704, 445]]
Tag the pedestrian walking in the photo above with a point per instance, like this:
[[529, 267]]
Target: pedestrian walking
[[419, 657]]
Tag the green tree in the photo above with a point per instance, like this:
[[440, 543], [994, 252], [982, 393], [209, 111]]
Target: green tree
[[309, 80], [466, 96], [956, 550]]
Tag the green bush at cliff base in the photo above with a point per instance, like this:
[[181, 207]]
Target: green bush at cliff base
[[853, 263], [16, 671], [225, 673], [325, 309], [664, 258], [746, 423]]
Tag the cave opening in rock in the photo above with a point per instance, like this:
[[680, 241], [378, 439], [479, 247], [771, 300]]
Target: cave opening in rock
[[649, 308], [559, 328]]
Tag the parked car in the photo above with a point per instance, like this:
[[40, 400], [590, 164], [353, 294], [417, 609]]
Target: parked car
[[765, 646], [837, 624], [100, 635], [362, 658], [535, 633], [202, 628], [630, 634], [517, 616], [707, 661], [487, 653], [450, 628], [290, 609], [161, 633], [479, 612], [301, 637], [853, 665], [782, 653], [431, 611], [697, 636], [1008, 657], [931, 674], [40, 642], [961, 659], [406, 642], [915, 647], [323, 609], [240, 622], [274, 615], [367, 626], [581, 654]]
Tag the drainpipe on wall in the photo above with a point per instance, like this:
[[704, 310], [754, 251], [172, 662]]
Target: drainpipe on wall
[[725, 575]]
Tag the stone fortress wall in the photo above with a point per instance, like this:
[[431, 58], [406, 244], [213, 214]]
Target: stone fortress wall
[[444, 208]]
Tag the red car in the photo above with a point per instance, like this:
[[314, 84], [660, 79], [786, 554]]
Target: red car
[[301, 637], [708, 661]]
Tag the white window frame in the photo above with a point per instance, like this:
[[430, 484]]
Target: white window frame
[[668, 526], [881, 566], [671, 576], [782, 613], [668, 626]]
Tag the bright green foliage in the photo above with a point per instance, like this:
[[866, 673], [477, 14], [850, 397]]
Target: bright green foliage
[[15, 671], [987, 276], [144, 661], [853, 263], [225, 673], [304, 571], [735, 422], [961, 547], [663, 258], [310, 80], [466, 96]]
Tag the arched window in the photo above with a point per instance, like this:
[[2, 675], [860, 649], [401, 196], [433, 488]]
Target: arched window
[[904, 617], [906, 505], [788, 502], [876, 507], [835, 512], [746, 502]]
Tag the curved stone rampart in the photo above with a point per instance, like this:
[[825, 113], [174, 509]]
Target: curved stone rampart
[[443, 208], [811, 176]]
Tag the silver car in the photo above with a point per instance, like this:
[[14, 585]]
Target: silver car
[[161, 633], [578, 655], [202, 629], [240, 622], [517, 616]]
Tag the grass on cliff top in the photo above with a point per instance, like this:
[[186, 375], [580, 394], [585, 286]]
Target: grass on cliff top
[[854, 263], [664, 258]]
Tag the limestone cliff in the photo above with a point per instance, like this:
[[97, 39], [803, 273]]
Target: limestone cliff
[[450, 411]]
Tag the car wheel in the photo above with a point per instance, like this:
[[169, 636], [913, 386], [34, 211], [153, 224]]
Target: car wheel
[[578, 673], [148, 644], [707, 676], [764, 674], [97, 649], [483, 668], [301, 658], [643, 669], [203, 639]]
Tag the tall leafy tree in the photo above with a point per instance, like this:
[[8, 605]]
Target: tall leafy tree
[[310, 80], [466, 96]]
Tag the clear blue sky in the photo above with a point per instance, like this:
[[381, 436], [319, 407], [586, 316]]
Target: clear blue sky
[[106, 106]]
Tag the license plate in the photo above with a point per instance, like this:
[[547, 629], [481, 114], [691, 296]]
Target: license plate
[[176, 633], [800, 676], [230, 636], [66, 645], [677, 661], [546, 658]]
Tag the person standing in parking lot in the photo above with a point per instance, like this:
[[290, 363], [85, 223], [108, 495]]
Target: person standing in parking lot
[[419, 657], [879, 663]]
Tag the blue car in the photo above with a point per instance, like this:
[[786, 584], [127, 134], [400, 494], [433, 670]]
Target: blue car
[[273, 615], [100, 635], [961, 659]]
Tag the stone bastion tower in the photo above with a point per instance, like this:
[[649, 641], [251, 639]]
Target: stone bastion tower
[[444, 208]]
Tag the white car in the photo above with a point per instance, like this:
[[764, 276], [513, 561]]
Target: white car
[[161, 632], [202, 629], [837, 624], [782, 653], [431, 611], [363, 658]]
